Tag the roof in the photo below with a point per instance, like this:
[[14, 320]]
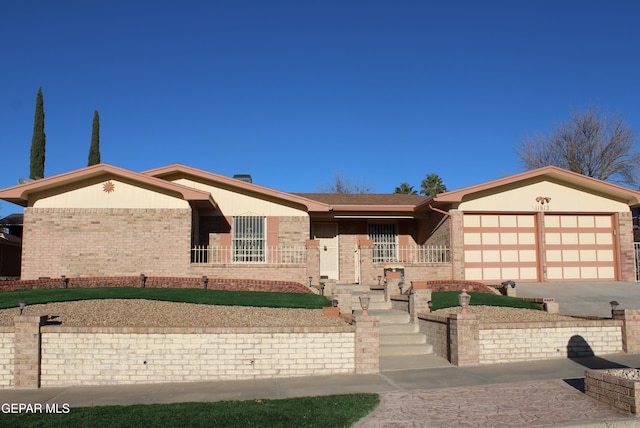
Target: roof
[[21, 193], [175, 171], [552, 173]]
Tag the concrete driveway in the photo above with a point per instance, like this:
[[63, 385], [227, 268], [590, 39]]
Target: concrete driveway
[[585, 298]]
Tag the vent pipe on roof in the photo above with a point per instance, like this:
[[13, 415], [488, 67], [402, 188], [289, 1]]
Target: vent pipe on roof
[[244, 177]]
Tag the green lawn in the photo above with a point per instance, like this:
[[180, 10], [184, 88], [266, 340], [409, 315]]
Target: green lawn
[[448, 299], [440, 299], [324, 411], [10, 299]]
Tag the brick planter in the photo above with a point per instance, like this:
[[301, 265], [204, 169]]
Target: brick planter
[[331, 312], [619, 388]]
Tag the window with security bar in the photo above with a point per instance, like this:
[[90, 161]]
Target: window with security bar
[[249, 239], [385, 242]]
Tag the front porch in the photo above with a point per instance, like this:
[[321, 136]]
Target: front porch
[[307, 264]]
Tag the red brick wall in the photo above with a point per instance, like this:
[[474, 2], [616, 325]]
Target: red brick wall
[[105, 242], [158, 282]]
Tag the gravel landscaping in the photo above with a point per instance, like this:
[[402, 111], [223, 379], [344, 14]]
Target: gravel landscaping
[[503, 314], [631, 374], [151, 313]]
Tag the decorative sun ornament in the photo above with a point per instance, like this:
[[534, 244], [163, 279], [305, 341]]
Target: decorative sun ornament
[[108, 187]]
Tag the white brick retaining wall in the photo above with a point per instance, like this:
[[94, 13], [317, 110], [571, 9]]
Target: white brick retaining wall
[[7, 352], [499, 345], [98, 356]]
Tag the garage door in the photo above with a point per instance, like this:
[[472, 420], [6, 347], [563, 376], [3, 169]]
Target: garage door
[[499, 247], [579, 247]]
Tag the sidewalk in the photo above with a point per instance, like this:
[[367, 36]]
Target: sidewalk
[[424, 391]]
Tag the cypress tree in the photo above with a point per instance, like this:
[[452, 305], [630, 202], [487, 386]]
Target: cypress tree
[[94, 150], [36, 168]]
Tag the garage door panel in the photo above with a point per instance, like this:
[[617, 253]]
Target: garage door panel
[[500, 247], [579, 247], [606, 273]]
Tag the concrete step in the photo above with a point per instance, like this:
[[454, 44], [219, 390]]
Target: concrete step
[[402, 339], [376, 301], [404, 328], [352, 288], [389, 316], [405, 350]]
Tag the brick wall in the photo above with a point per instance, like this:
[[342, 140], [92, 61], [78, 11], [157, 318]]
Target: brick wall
[[437, 331], [270, 272], [293, 231], [535, 341], [35, 354], [500, 343], [105, 242], [213, 283], [7, 351], [93, 356]]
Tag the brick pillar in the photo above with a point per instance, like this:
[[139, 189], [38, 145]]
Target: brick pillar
[[457, 245], [367, 274], [630, 329], [627, 249], [344, 302], [26, 373], [367, 344], [419, 303], [313, 260], [464, 343]]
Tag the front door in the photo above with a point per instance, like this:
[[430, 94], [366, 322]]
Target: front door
[[327, 234]]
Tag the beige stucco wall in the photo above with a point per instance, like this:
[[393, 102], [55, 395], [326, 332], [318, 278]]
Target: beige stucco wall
[[563, 199], [124, 195], [232, 203]]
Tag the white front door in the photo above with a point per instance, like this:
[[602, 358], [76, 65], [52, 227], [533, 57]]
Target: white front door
[[327, 234]]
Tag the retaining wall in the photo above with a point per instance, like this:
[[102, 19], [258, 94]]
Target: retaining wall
[[100, 356], [34, 354], [464, 340]]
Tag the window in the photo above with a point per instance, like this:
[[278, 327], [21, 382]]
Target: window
[[249, 239], [385, 242]]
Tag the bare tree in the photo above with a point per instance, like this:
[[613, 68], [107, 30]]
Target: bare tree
[[342, 184], [596, 144]]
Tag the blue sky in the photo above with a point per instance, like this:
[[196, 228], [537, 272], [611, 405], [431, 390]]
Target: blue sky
[[293, 92]]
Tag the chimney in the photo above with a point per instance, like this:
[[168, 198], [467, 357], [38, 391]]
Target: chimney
[[243, 177]]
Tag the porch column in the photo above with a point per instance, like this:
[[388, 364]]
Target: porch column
[[313, 260], [367, 274], [457, 245]]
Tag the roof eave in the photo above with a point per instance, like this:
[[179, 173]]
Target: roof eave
[[309, 204]]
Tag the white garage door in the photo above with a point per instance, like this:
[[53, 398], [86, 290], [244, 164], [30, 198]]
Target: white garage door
[[499, 247], [579, 247]]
